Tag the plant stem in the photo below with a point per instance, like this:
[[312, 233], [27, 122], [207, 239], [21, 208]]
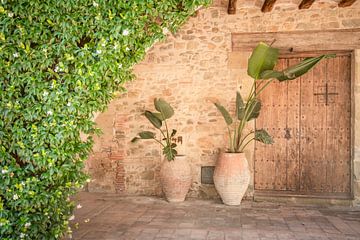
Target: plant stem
[[230, 140], [251, 132], [245, 119], [235, 139], [168, 140], [249, 108], [159, 142], [263, 87], [242, 149], [162, 132]]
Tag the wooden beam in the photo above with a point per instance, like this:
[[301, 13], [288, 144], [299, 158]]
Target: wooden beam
[[346, 3], [232, 7], [300, 41], [268, 5], [306, 4]]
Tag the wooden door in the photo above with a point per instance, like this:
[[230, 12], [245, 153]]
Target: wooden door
[[309, 119]]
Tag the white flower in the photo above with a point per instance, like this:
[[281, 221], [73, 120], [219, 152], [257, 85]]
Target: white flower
[[98, 51], [49, 113], [95, 4], [72, 217], [68, 104], [120, 65], [125, 32], [115, 46], [22, 235], [78, 206], [27, 225], [88, 180], [4, 171], [56, 69], [103, 44], [87, 220], [165, 31], [11, 14], [15, 197], [45, 94], [15, 55], [127, 49]]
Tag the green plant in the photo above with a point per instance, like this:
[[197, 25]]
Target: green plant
[[261, 68], [158, 120], [61, 61]]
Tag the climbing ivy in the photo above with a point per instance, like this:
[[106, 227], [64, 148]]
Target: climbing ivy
[[61, 61]]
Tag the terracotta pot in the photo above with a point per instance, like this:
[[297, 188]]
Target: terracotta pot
[[175, 178], [231, 177]]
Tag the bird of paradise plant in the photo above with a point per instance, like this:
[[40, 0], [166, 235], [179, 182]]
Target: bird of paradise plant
[[158, 120]]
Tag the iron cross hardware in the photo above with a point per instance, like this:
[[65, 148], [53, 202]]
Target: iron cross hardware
[[326, 94]]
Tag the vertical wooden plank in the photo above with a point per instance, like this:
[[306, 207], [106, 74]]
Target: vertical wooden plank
[[270, 160], [313, 171], [280, 104], [332, 108], [293, 124], [339, 117]]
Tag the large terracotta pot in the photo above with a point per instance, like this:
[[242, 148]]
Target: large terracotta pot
[[231, 177], [175, 178]]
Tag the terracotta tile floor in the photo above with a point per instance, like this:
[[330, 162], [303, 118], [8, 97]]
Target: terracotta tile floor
[[124, 218]]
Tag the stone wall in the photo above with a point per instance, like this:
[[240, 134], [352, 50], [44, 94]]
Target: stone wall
[[191, 70]]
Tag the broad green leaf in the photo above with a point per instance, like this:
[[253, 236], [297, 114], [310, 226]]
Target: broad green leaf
[[296, 70], [262, 136], [262, 58], [240, 109], [153, 119], [271, 74], [224, 113], [147, 135], [255, 107], [158, 116], [164, 108]]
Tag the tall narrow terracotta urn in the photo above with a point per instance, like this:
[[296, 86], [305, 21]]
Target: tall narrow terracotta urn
[[175, 178], [231, 177]]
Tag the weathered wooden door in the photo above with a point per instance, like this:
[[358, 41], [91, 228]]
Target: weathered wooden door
[[310, 121]]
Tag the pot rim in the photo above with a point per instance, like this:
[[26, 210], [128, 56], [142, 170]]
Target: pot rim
[[176, 156], [232, 153]]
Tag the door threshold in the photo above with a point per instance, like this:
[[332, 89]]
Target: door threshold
[[302, 199]]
